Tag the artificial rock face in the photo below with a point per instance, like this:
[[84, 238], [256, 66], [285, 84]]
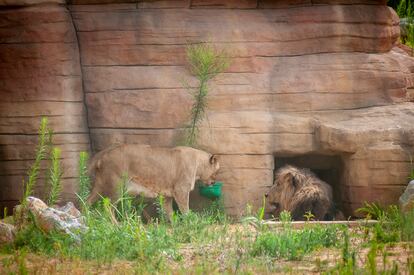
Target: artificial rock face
[[308, 81]]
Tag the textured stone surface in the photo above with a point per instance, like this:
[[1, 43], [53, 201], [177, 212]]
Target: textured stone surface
[[40, 75], [308, 78], [314, 79], [7, 233], [17, 3], [66, 219]]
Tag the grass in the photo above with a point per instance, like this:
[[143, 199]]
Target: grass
[[294, 244], [210, 242]]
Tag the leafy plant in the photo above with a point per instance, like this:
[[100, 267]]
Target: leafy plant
[[205, 62], [160, 202], [40, 155], [372, 210], [405, 9], [309, 216], [285, 216], [84, 180], [55, 176], [124, 203], [411, 175]]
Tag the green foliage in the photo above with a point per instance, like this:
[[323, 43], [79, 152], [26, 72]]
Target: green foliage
[[349, 264], [393, 225], [294, 244], [84, 181], [125, 201], [261, 212], [205, 62], [285, 216], [309, 216], [55, 176], [411, 176], [405, 225], [40, 155], [127, 238], [405, 10], [158, 245], [372, 210], [160, 202]]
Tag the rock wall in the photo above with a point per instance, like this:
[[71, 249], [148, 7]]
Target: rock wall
[[40, 75], [307, 77]]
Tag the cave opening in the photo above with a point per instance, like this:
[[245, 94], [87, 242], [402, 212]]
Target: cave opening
[[328, 168]]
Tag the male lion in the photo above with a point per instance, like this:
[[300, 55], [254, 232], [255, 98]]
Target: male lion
[[152, 171], [299, 191]]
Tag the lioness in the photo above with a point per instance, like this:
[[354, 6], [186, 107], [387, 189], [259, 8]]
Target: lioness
[[299, 191], [152, 171]]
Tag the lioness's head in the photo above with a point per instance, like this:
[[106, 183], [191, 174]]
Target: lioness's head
[[209, 169], [283, 189]]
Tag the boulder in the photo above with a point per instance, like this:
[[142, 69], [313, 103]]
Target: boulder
[[66, 219], [7, 233], [407, 198]]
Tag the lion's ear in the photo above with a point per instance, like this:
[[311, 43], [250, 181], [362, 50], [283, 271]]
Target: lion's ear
[[294, 181], [290, 179]]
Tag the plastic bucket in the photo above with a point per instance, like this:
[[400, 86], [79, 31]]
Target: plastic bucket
[[211, 191]]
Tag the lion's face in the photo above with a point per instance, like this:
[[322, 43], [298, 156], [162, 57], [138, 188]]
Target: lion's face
[[278, 196]]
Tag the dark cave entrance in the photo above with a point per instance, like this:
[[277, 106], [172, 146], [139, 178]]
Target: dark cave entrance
[[328, 168]]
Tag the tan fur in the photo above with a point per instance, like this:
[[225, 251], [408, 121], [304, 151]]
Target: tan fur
[[299, 191], [152, 171]]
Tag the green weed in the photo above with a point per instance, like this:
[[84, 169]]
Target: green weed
[[205, 62], [40, 155], [55, 176], [84, 180]]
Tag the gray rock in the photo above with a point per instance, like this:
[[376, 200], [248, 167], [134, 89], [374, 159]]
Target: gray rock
[[66, 219], [70, 209], [407, 198], [7, 233]]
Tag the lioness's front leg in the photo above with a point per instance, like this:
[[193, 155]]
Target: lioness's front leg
[[168, 206], [182, 198]]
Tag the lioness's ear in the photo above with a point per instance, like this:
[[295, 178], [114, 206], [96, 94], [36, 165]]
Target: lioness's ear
[[213, 159]]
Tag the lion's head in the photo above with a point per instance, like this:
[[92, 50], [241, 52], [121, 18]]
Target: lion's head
[[287, 181]]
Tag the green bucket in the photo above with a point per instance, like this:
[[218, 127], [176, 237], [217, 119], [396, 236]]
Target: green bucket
[[211, 191]]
